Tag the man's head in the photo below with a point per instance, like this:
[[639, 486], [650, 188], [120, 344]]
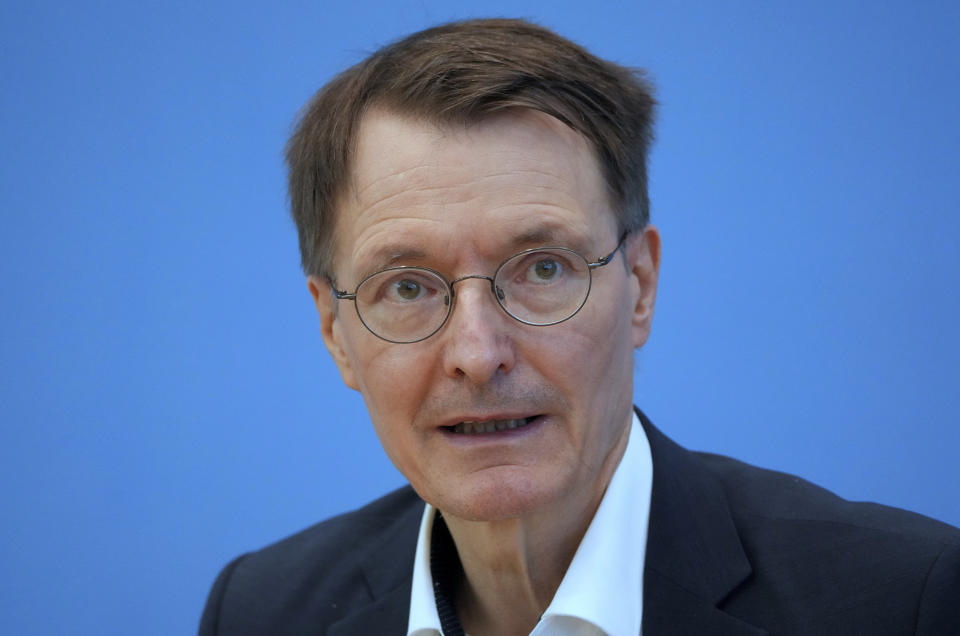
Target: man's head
[[487, 416]]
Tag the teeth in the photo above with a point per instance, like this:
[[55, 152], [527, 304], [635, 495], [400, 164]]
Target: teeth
[[489, 426]]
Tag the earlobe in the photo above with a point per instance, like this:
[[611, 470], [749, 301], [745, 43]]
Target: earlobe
[[331, 328], [645, 267]]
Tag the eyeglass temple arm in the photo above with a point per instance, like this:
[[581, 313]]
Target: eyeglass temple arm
[[600, 262], [338, 293]]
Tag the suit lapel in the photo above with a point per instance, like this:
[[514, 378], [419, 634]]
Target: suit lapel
[[694, 557], [670, 609], [388, 569], [387, 615]]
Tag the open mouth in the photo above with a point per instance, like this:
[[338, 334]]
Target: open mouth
[[489, 426]]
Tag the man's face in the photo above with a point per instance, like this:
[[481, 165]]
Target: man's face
[[460, 200]]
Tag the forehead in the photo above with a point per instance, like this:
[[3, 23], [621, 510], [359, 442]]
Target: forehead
[[419, 190]]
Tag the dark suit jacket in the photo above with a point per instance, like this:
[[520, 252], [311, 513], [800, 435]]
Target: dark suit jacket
[[732, 549]]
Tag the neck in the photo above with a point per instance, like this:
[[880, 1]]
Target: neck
[[513, 567]]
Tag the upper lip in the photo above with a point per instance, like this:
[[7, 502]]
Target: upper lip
[[486, 417]]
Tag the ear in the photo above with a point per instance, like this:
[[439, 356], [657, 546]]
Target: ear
[[331, 328], [644, 262]]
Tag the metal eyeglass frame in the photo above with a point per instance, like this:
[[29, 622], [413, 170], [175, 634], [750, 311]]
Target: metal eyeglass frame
[[497, 292]]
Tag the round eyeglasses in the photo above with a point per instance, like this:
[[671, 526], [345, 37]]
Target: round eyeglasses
[[540, 287]]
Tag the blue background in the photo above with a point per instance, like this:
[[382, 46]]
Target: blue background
[[165, 397]]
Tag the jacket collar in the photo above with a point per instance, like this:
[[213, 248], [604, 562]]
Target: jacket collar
[[694, 556]]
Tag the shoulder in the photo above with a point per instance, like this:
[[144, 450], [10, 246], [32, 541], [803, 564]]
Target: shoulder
[[316, 576], [809, 547], [768, 496]]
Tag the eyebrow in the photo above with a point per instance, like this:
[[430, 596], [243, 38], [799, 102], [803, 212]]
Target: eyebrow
[[535, 236], [390, 255], [396, 255], [547, 236]]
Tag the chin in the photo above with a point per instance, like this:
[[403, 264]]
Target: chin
[[497, 497]]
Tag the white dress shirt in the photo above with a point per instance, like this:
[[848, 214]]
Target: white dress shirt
[[601, 593]]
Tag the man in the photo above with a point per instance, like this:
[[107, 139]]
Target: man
[[473, 219]]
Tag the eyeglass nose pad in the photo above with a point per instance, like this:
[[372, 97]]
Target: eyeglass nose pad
[[500, 293], [446, 299]]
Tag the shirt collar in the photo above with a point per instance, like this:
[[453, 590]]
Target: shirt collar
[[606, 569], [424, 619]]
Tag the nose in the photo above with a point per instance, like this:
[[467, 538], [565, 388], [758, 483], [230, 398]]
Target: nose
[[477, 343]]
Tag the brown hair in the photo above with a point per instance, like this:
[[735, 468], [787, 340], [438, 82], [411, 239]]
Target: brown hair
[[460, 73]]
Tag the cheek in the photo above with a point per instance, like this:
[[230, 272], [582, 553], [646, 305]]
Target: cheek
[[603, 331], [378, 365], [394, 382], [598, 356]]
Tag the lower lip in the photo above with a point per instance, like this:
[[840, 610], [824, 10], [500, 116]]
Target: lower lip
[[496, 437]]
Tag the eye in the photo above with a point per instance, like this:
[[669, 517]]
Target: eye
[[538, 268], [546, 269], [407, 289], [543, 269], [402, 286]]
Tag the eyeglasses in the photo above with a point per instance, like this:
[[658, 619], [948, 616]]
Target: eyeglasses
[[540, 287]]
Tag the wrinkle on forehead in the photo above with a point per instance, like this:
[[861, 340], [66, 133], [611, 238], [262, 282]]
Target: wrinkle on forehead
[[416, 182], [394, 191], [386, 134]]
